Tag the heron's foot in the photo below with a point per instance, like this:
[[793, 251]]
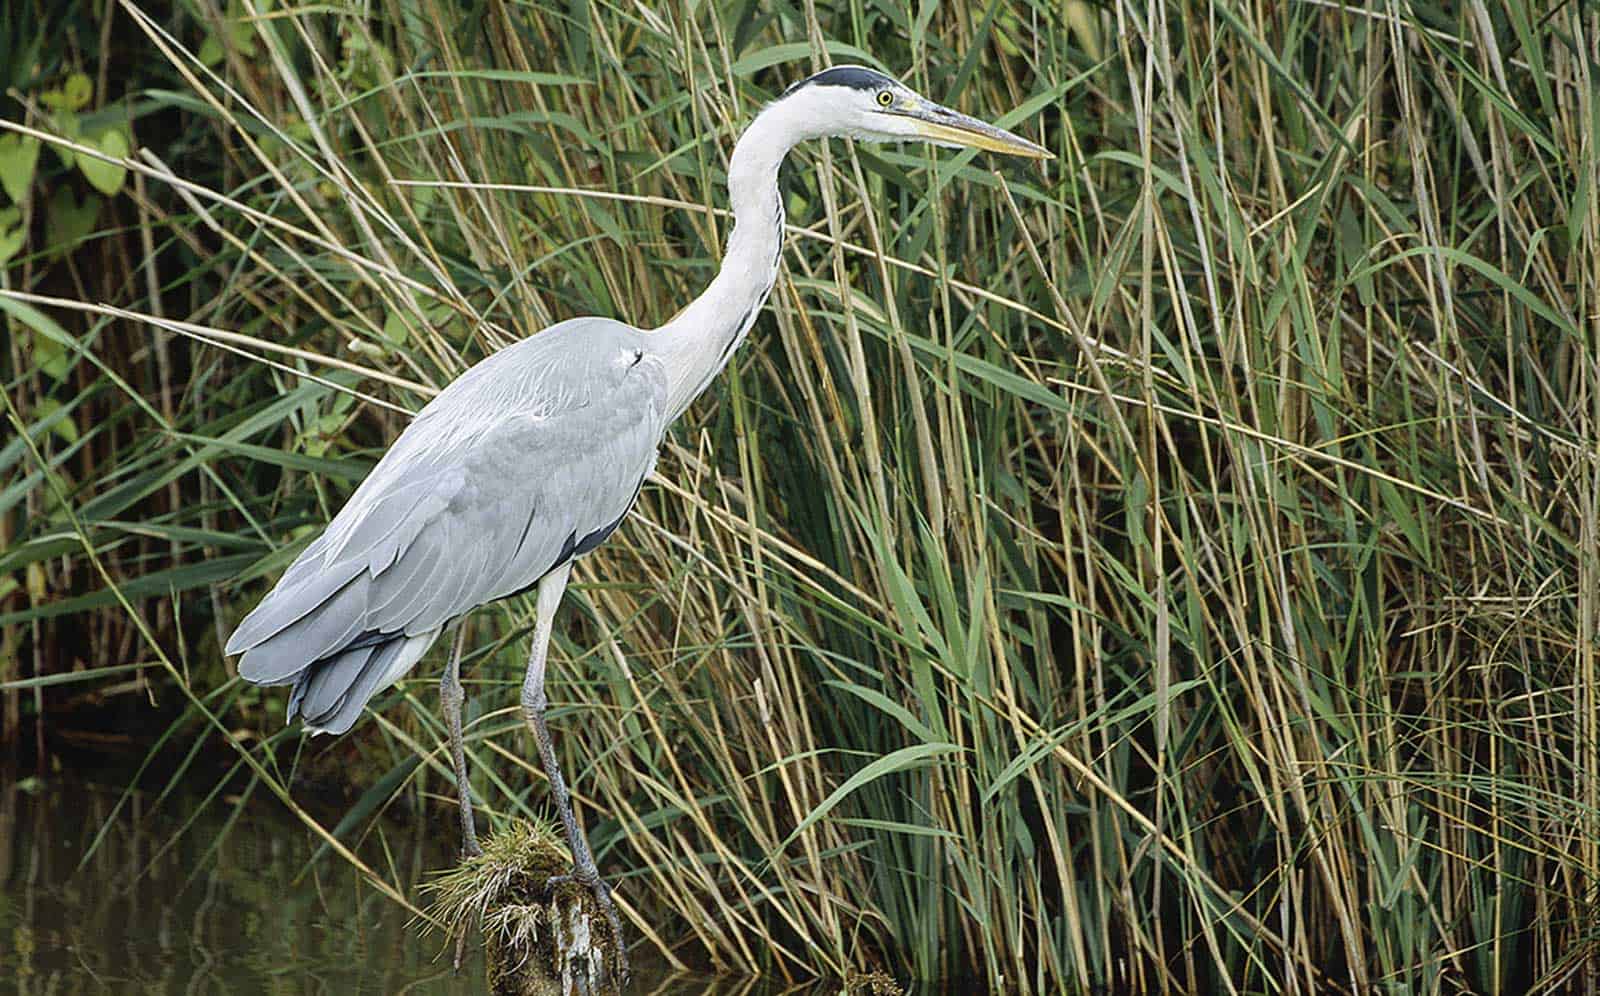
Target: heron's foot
[[470, 848], [601, 891]]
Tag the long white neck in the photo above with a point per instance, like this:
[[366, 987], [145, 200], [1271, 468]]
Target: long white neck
[[697, 343]]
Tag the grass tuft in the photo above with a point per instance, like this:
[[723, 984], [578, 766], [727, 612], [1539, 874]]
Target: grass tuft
[[538, 938]]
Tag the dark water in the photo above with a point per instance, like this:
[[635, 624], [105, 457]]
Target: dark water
[[189, 895]]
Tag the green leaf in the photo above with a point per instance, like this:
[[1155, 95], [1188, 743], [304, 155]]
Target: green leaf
[[79, 90], [73, 95], [915, 756], [10, 245], [159, 584], [501, 76], [210, 51], [38, 321], [394, 329], [44, 354], [19, 160], [43, 341], [243, 34], [103, 176], [72, 677], [70, 128], [68, 221], [1083, 23], [792, 51], [886, 705], [12, 234], [895, 826], [47, 408]]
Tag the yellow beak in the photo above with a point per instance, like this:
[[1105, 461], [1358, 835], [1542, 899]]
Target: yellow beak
[[946, 127]]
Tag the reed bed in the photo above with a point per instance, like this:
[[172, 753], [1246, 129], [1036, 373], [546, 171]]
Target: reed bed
[[1175, 568]]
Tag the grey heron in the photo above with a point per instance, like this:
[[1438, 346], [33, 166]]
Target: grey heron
[[532, 457]]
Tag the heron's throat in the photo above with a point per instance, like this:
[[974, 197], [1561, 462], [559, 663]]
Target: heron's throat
[[700, 340]]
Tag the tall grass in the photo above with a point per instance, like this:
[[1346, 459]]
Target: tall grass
[[1175, 569]]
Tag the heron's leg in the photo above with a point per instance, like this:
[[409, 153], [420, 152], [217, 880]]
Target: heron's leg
[[533, 707], [450, 698]]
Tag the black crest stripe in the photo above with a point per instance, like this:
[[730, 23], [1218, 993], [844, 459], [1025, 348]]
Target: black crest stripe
[[855, 77]]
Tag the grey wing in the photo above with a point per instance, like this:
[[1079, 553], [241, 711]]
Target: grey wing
[[476, 501]]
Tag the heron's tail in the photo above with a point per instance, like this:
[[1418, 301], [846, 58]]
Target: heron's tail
[[330, 693]]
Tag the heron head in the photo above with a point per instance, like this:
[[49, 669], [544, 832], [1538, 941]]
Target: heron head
[[862, 103]]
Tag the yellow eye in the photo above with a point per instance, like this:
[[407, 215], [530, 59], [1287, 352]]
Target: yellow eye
[[885, 98]]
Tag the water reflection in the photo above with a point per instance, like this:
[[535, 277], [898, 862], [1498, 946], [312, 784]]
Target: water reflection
[[215, 896], [187, 897]]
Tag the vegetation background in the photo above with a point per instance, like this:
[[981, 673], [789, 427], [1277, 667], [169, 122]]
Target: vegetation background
[[1173, 568]]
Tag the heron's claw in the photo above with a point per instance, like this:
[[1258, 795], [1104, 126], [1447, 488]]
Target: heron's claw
[[601, 891]]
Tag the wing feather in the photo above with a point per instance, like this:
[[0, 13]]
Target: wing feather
[[388, 663], [298, 595], [476, 500], [404, 586], [321, 693], [450, 589], [315, 635], [382, 517]]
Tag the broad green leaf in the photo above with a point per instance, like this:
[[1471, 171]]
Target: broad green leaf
[[70, 128], [49, 410], [72, 95], [243, 34], [45, 355], [103, 176], [210, 51], [79, 90], [68, 221], [394, 329], [43, 341], [19, 160], [36, 320]]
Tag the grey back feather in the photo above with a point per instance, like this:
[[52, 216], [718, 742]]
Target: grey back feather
[[499, 477]]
